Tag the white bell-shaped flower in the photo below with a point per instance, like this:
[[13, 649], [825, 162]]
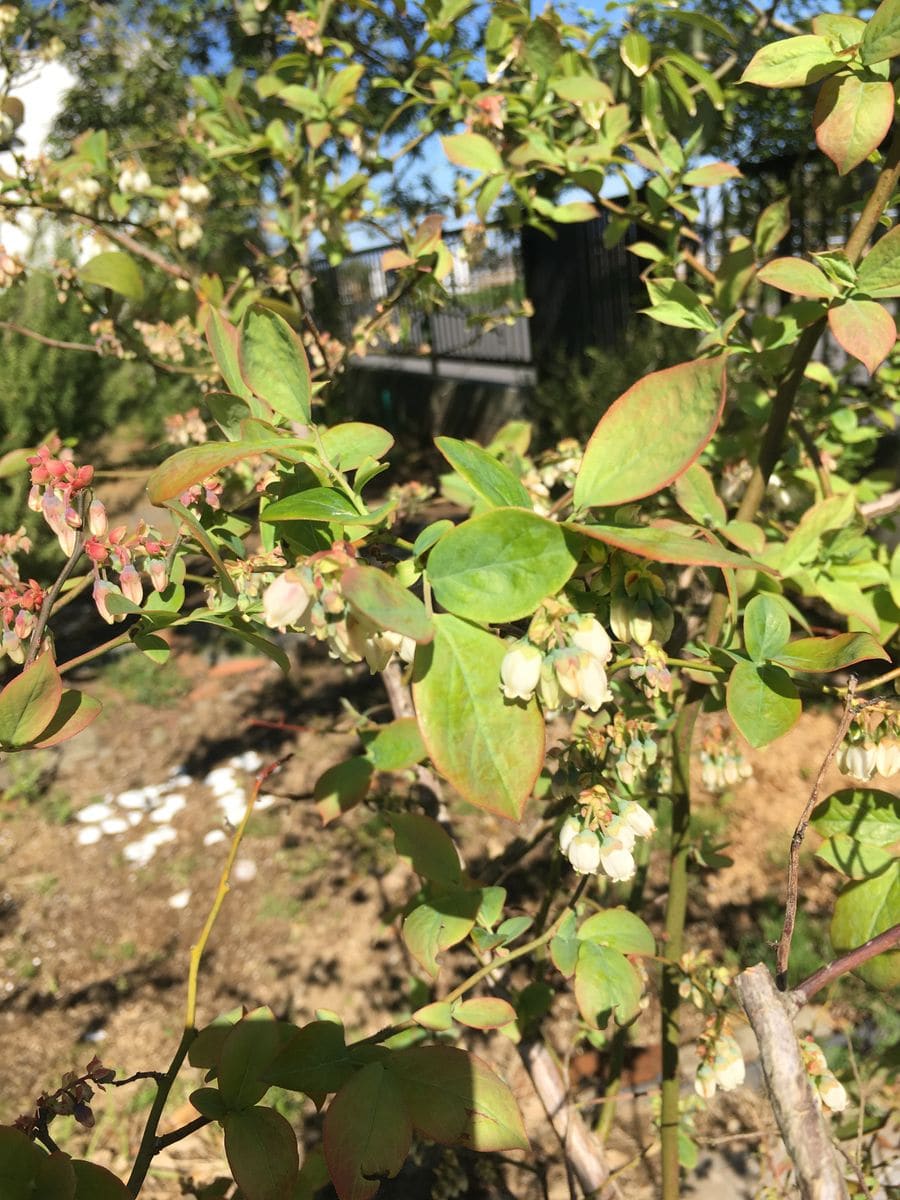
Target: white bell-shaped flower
[[520, 671], [584, 852], [616, 860], [586, 632]]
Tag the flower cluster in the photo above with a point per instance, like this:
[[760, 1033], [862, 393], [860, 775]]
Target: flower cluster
[[305, 29], [8, 15], [178, 212], [872, 745], [601, 837], [70, 1100], [20, 601], [186, 429], [703, 982], [57, 486], [133, 179], [168, 340], [106, 340], [10, 267], [638, 610], [558, 467], [569, 675], [828, 1087], [652, 672], [722, 763], [721, 1062], [81, 194], [308, 597]]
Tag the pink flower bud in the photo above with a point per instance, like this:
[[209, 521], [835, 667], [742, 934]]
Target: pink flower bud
[[95, 550], [130, 583], [103, 589], [158, 572], [73, 519], [97, 522], [286, 601], [54, 512], [35, 498], [24, 623], [11, 645]]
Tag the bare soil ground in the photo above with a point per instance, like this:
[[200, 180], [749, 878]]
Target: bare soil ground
[[95, 936]]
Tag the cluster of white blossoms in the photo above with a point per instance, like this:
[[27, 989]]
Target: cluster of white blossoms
[[721, 1063], [178, 211], [134, 179], [556, 468], [828, 1087], [81, 194], [872, 746], [573, 674], [723, 766], [601, 838], [10, 267], [308, 598]]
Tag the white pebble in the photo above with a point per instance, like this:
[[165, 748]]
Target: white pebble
[[87, 837], [159, 837], [214, 837], [265, 801], [244, 870], [94, 812], [135, 818], [221, 779], [170, 807], [114, 825], [180, 899], [248, 761], [136, 798], [177, 781], [139, 852]]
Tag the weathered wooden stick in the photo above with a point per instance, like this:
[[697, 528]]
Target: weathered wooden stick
[[802, 1125]]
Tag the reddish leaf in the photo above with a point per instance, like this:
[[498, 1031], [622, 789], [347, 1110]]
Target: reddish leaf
[[367, 1133], [865, 330], [222, 337], [29, 703], [852, 118], [76, 711], [669, 543], [197, 463], [799, 277], [652, 433]]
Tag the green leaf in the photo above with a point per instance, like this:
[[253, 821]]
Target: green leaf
[[635, 52], [20, 1161], [762, 701], [343, 84], [564, 952], [222, 338], [206, 1047], [429, 850], [618, 929], [96, 1183], [444, 920], [492, 481], [651, 434], [367, 1133], [490, 749], [474, 152], [881, 39], [273, 364], [667, 544], [862, 911], [851, 118], [696, 495], [456, 1099], [792, 62], [829, 654], [197, 463], [29, 703], [209, 1103], [313, 504], [395, 746], [342, 787], [673, 303], [430, 534], [386, 603], [115, 271], [437, 1016], [767, 628], [712, 175], [606, 984], [773, 226], [799, 277], [858, 860], [55, 1179], [229, 412], [262, 1152], [864, 329], [865, 814], [485, 1012], [581, 89], [315, 1061], [349, 445], [75, 712], [500, 565], [249, 1047], [879, 271]]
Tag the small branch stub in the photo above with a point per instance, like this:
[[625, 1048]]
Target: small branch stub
[[803, 1127]]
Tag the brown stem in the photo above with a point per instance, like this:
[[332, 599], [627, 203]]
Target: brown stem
[[152, 256], [178, 1135], [797, 1112], [40, 624], [47, 341], [783, 953], [120, 639], [880, 944], [882, 507]]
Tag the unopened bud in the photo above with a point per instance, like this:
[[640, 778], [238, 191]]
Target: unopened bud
[[97, 521]]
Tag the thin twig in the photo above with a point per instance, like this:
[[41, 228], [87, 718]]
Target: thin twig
[[55, 343], [178, 1135], [156, 1076], [40, 625], [121, 639], [882, 507], [889, 939], [790, 912]]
